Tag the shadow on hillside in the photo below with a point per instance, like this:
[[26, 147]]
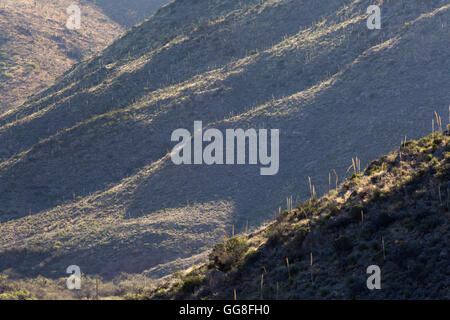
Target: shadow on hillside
[[135, 256], [49, 176], [129, 12], [105, 259]]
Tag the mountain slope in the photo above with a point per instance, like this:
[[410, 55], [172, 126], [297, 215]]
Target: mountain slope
[[36, 47], [86, 176], [395, 214], [127, 13]]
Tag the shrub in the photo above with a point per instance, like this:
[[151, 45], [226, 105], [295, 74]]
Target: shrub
[[374, 167], [294, 270], [427, 157], [434, 161], [191, 283], [17, 295], [251, 256], [225, 256], [375, 246], [339, 223], [276, 233], [355, 177]]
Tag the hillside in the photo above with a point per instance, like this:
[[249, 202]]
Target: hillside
[[394, 214], [127, 13], [36, 47], [85, 171]]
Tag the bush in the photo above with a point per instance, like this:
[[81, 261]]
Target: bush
[[374, 167], [17, 295], [225, 256], [191, 283], [251, 256]]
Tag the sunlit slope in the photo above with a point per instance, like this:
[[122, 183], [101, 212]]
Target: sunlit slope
[[36, 46], [86, 173]]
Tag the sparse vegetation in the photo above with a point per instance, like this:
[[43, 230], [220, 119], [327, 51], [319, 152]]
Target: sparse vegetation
[[86, 174], [34, 37], [384, 237], [226, 255], [191, 283]]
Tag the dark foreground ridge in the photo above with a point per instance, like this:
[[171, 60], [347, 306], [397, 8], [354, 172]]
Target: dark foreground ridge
[[394, 214]]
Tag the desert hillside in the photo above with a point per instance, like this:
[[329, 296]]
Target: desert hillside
[[395, 214], [85, 172], [127, 13], [36, 47]]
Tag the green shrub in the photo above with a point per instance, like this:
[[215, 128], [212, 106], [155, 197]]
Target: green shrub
[[355, 177], [434, 161], [191, 283], [17, 295], [374, 167], [251, 255], [225, 256], [375, 246], [294, 270]]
